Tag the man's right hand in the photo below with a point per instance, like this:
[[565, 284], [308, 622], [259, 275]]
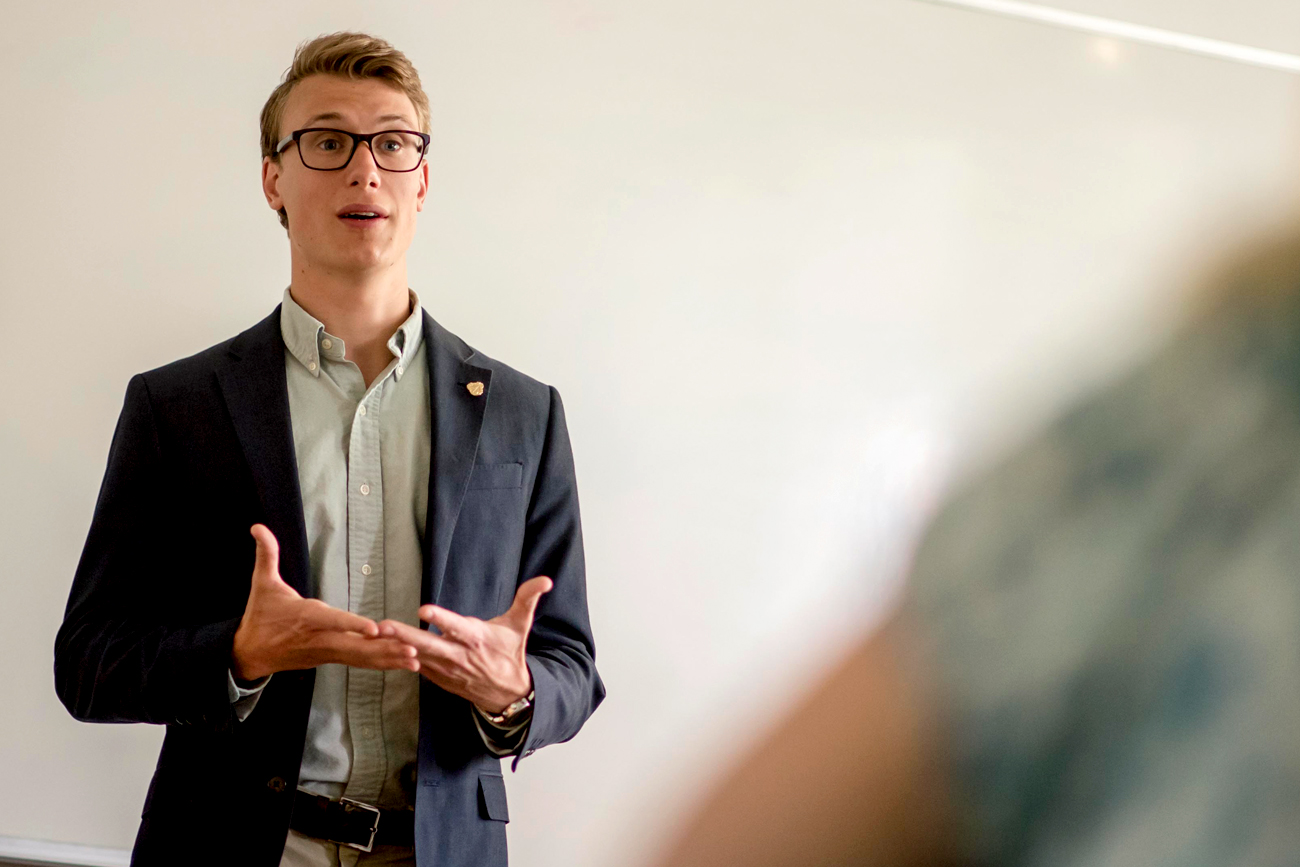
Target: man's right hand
[[282, 631]]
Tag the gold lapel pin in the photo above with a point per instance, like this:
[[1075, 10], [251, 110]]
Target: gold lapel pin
[[475, 388]]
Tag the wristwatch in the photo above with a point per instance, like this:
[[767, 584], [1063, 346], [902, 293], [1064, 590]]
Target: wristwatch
[[512, 710]]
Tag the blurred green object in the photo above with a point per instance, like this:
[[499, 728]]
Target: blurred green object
[[1114, 611]]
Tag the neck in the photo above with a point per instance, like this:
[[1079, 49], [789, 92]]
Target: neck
[[362, 309]]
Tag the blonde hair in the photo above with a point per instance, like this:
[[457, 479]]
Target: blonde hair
[[349, 55]]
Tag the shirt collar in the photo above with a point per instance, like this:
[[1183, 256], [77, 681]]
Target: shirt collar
[[307, 340], [406, 339]]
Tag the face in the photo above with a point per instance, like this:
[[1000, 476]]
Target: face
[[319, 235]]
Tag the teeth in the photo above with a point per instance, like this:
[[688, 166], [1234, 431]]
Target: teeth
[[361, 214]]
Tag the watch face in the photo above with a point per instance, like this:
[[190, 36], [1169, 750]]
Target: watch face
[[516, 707]]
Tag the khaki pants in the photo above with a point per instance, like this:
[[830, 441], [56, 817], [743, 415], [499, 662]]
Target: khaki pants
[[302, 851]]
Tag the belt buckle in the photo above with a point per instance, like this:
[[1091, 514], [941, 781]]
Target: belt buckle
[[349, 806]]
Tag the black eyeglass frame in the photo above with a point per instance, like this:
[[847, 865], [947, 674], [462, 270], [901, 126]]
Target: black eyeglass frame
[[357, 138]]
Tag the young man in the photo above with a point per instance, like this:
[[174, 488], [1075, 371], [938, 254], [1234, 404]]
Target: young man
[[281, 511]]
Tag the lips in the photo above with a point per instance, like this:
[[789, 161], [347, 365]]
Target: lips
[[362, 213]]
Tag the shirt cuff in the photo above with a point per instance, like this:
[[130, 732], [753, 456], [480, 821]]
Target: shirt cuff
[[502, 740], [244, 697]]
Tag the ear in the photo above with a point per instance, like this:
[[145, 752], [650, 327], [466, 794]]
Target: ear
[[424, 186], [271, 183]]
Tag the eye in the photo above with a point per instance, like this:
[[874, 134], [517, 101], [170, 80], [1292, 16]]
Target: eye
[[324, 141], [391, 144]]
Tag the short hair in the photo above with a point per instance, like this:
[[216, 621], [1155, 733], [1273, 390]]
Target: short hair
[[349, 55]]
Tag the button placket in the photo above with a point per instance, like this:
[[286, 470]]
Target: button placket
[[365, 508], [366, 592]]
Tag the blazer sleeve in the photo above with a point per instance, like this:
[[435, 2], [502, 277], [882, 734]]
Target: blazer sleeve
[[561, 651], [116, 656]]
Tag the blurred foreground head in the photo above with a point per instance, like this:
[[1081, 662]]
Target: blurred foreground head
[[1111, 619], [1098, 661]]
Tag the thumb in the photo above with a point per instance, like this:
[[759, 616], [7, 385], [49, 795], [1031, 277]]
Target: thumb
[[520, 615], [267, 567]]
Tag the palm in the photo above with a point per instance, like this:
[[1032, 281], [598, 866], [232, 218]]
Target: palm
[[484, 661]]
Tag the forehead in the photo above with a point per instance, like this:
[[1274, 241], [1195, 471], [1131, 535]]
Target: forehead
[[349, 104]]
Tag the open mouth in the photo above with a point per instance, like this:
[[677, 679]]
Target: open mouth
[[361, 216]]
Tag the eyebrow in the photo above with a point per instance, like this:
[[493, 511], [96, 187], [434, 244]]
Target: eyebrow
[[334, 115]]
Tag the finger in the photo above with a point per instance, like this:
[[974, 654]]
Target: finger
[[449, 623], [430, 646], [268, 551], [365, 646], [412, 635], [329, 619], [520, 615], [349, 648], [266, 569]]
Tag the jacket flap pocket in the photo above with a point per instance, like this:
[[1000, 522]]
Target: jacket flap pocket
[[486, 476], [492, 798]]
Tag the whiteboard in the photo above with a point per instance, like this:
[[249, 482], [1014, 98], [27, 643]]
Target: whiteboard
[[793, 266]]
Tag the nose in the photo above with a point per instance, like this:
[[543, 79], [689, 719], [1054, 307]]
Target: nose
[[362, 168]]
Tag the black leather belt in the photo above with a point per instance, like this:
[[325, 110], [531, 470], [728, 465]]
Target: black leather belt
[[351, 823]]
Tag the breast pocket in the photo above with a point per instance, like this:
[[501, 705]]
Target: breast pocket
[[496, 476]]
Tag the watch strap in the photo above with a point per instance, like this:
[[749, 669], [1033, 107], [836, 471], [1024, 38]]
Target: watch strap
[[511, 711]]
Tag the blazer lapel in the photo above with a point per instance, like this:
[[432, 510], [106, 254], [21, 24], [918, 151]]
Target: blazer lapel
[[456, 424], [253, 384]]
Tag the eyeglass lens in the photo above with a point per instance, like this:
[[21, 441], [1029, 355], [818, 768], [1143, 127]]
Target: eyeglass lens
[[327, 149]]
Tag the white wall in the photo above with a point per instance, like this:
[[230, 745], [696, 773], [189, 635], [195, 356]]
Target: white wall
[[791, 265]]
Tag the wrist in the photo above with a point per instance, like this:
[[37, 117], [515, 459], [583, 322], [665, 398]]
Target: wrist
[[522, 689], [511, 712], [243, 663]]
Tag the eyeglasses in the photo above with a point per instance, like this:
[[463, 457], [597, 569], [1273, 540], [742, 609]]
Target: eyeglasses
[[328, 150]]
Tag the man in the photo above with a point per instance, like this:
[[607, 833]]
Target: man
[[281, 511]]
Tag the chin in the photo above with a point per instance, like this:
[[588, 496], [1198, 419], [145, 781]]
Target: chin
[[357, 258]]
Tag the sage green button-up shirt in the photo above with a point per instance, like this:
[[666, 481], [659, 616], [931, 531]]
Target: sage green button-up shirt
[[363, 469]]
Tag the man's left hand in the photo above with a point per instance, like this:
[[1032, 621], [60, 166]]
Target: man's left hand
[[480, 660]]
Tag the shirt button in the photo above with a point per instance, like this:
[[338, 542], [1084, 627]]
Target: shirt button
[[365, 490], [399, 370], [311, 365], [365, 570], [327, 343], [362, 410]]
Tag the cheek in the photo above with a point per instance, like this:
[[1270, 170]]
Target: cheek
[[305, 195]]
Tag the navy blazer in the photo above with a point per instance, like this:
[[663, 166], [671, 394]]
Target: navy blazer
[[203, 450]]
